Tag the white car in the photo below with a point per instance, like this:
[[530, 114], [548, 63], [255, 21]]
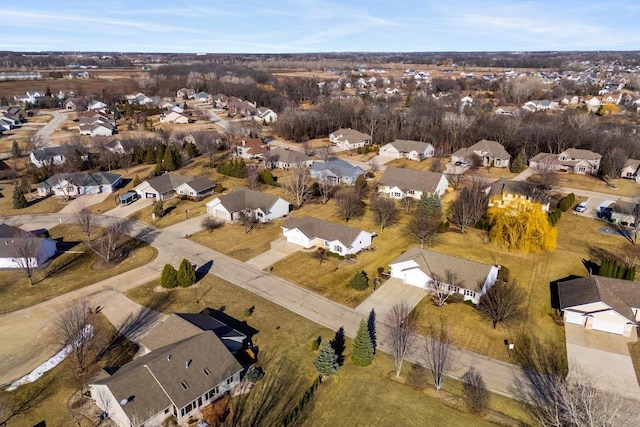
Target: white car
[[581, 207]]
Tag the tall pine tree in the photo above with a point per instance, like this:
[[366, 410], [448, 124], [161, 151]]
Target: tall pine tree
[[19, 201], [429, 204], [169, 277], [362, 354], [326, 362]]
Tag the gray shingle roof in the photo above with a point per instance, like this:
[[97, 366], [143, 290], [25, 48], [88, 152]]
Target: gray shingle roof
[[339, 167], [351, 135], [167, 182], [326, 230], [201, 184], [49, 152], [287, 156], [243, 198], [492, 148], [10, 235], [524, 188], [411, 179], [620, 295], [578, 154], [471, 273], [81, 179], [406, 146]]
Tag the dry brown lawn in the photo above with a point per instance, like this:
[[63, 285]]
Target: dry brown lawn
[[175, 210], [67, 271], [36, 205], [634, 350], [626, 187]]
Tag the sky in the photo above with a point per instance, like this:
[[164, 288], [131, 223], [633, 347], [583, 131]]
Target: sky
[[298, 26]]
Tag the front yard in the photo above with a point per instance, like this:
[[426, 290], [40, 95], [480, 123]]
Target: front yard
[[76, 269], [35, 205]]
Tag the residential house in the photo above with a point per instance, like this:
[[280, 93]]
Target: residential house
[[196, 189], [492, 154], [139, 99], [12, 239], [251, 148], [79, 183], [570, 100], [508, 111], [161, 187], [262, 206], [118, 146], [185, 93], [203, 97], [431, 270], [613, 98], [593, 101], [340, 239], [506, 193], [336, 171], [622, 213], [412, 150], [31, 97], [6, 171], [630, 170], [174, 117], [572, 160], [349, 139], [266, 115], [97, 106], [57, 155], [282, 158], [599, 303], [96, 123], [399, 183], [174, 382]]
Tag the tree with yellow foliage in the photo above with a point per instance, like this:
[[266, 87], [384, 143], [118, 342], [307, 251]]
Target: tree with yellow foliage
[[522, 226], [608, 108]]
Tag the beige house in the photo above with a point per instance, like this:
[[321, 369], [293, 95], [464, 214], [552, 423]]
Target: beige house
[[412, 150], [492, 154], [349, 139], [571, 160], [399, 183]]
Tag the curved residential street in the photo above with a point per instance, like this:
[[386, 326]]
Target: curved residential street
[[47, 130]]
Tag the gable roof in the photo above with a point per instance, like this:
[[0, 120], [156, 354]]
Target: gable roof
[[632, 163], [199, 184], [620, 295], [8, 236], [244, 198], [406, 146], [577, 153], [154, 381], [167, 182], [510, 186], [351, 135], [411, 179], [46, 153], [339, 167], [288, 156], [491, 148], [81, 179], [326, 230], [471, 273]]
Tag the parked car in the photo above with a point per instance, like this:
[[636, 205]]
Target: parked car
[[581, 207]]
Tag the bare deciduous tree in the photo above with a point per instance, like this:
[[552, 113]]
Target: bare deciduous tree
[[85, 220], [503, 302], [475, 391], [248, 219], [407, 203], [297, 183], [107, 243], [348, 203], [438, 352], [253, 177], [325, 154], [469, 207], [401, 329], [325, 189], [455, 179], [385, 211], [24, 248], [443, 288], [547, 174], [423, 228]]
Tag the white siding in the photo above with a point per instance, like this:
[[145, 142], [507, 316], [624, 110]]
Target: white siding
[[574, 318], [608, 326]]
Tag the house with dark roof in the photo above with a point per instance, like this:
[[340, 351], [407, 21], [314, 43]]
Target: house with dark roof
[[309, 231], [399, 183], [599, 303], [492, 154], [79, 183], [428, 270], [412, 150], [56, 155], [349, 139], [197, 188], [172, 382], [262, 206], [507, 193], [336, 171], [286, 159], [161, 187], [14, 241]]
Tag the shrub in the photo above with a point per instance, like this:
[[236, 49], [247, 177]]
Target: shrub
[[443, 227], [315, 344], [169, 277], [136, 180], [266, 177], [158, 209], [209, 223], [186, 274], [360, 281], [19, 200], [249, 311], [255, 374], [475, 391]]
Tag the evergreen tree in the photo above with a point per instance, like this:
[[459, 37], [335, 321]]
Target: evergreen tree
[[360, 281], [19, 200], [326, 362], [136, 181], [519, 163], [169, 159], [158, 209], [429, 204], [169, 277], [186, 274], [160, 149], [362, 354], [150, 155]]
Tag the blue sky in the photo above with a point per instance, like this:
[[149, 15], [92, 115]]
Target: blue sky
[[294, 26]]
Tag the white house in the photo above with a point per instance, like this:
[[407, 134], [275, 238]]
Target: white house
[[174, 117], [286, 159], [96, 106], [196, 189], [412, 150], [79, 183], [423, 268], [265, 114], [349, 139], [57, 155], [340, 239], [600, 303], [161, 187], [399, 183], [336, 171], [630, 170], [262, 206], [175, 381], [583, 162], [14, 243], [505, 193]]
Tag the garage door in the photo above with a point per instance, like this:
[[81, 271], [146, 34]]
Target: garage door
[[221, 214], [574, 318], [612, 327]]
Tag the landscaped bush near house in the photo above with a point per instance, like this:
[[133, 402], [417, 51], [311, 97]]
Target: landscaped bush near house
[[158, 209], [210, 223], [236, 168], [186, 274], [612, 268], [169, 277], [554, 216], [360, 281], [566, 202], [267, 178]]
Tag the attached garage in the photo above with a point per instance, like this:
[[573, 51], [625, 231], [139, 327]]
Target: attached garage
[[606, 326], [574, 318]]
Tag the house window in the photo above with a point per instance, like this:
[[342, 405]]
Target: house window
[[396, 194], [469, 293], [191, 193], [166, 411], [206, 372], [497, 163], [259, 214], [337, 248], [411, 192], [582, 169], [326, 243], [229, 380]]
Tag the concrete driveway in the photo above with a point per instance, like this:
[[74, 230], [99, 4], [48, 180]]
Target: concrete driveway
[[280, 249], [392, 292], [85, 201], [126, 211], [604, 357]]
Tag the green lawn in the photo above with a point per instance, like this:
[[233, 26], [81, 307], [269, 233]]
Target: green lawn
[[68, 271], [356, 396]]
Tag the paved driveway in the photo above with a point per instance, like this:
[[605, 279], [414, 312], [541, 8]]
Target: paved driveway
[[85, 201], [280, 249], [602, 356], [392, 292]]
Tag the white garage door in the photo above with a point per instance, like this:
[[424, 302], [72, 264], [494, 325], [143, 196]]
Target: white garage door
[[221, 214], [612, 327], [574, 318]]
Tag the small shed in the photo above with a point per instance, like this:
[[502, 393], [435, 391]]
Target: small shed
[[128, 198]]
